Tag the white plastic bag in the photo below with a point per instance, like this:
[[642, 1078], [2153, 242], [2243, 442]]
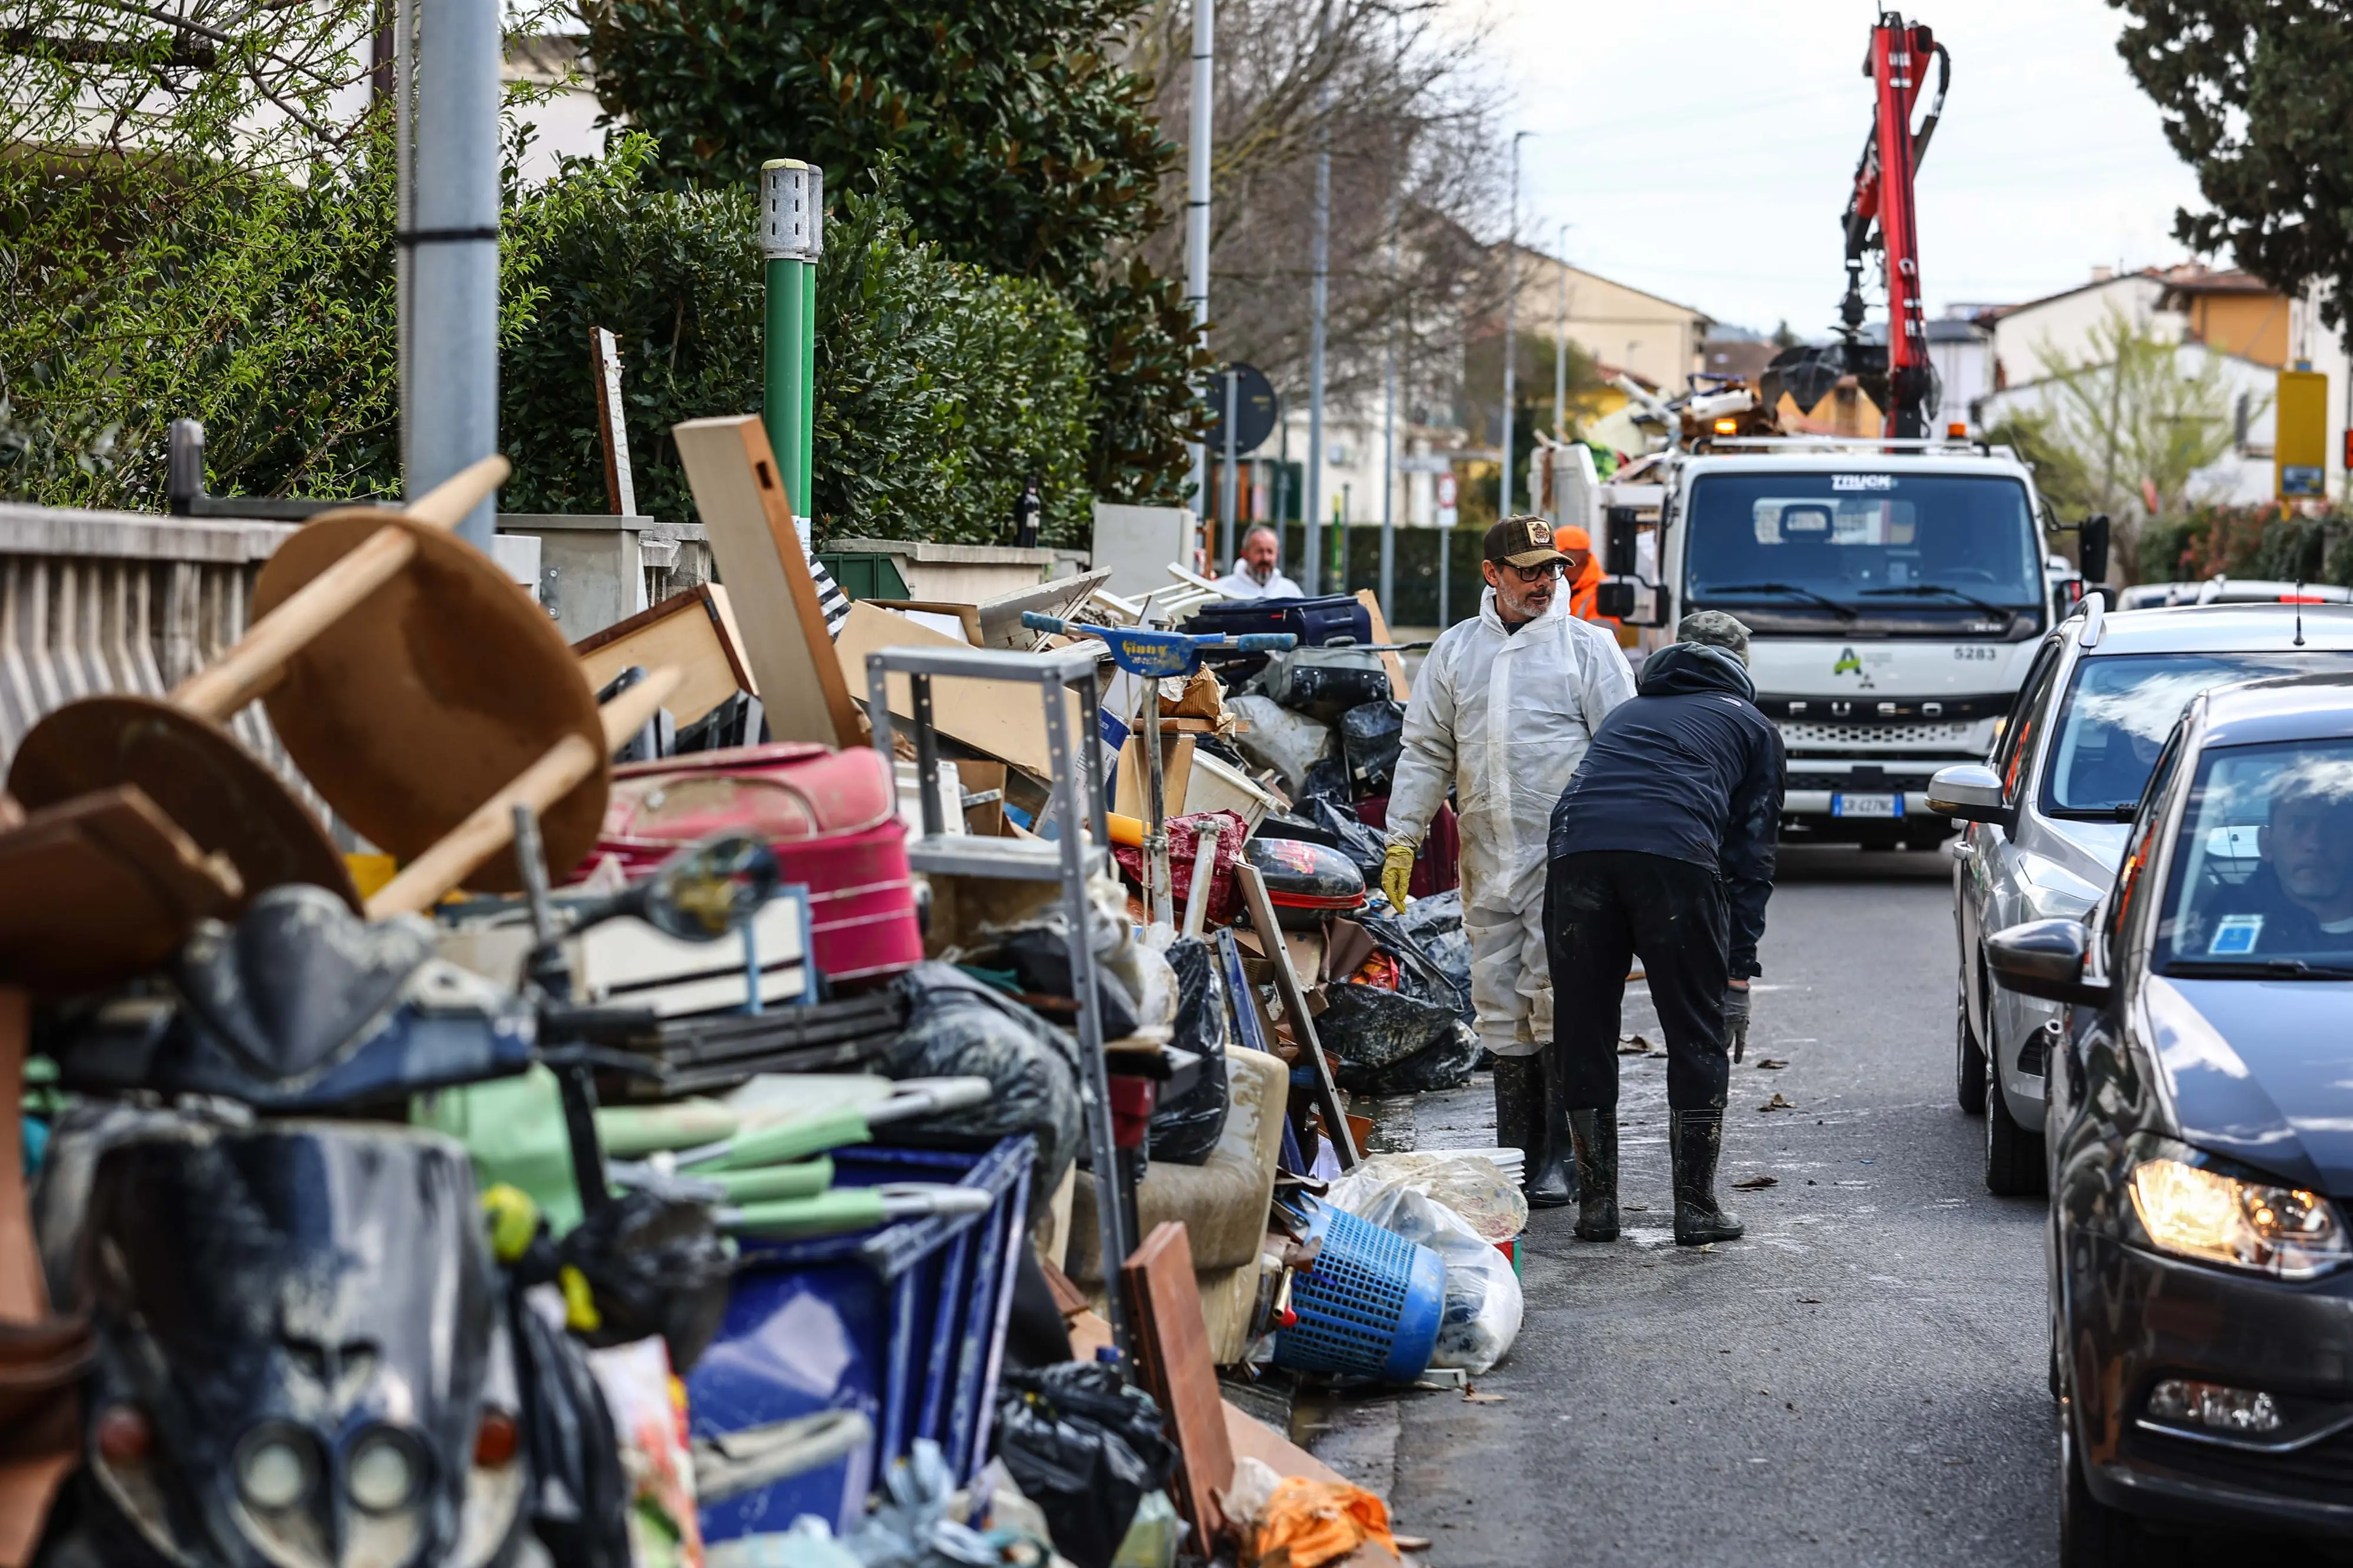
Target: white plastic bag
[[1277, 738], [1472, 1186], [1484, 1303]]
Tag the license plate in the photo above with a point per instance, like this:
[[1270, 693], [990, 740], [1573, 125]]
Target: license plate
[[1866, 806]]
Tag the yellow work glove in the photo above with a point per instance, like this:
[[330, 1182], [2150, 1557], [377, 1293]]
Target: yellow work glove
[[1396, 870]]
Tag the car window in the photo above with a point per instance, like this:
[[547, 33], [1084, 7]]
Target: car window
[[2263, 870], [2120, 707], [2025, 721]]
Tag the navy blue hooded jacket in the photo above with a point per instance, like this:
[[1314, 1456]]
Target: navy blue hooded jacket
[[1689, 770]]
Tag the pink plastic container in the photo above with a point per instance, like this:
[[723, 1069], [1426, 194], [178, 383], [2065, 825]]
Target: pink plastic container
[[831, 816]]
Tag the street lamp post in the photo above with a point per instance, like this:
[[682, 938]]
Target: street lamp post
[[1511, 289], [1561, 367], [1197, 206], [1317, 299]]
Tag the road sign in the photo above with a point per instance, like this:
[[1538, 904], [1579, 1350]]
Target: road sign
[[1446, 490], [2301, 434], [1253, 409]]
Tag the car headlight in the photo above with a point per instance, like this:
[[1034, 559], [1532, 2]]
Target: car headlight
[[2193, 1211]]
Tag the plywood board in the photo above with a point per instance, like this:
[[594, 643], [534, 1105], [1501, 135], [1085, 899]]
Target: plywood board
[[741, 500], [1389, 661], [1005, 719], [694, 632], [1172, 1338], [963, 616], [1176, 774]]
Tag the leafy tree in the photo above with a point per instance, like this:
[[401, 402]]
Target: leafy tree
[[2123, 429], [939, 387], [2257, 97], [1022, 147]]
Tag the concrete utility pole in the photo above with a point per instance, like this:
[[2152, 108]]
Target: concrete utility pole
[[1321, 262], [449, 232], [1389, 443], [1511, 293], [1197, 230], [1560, 369]]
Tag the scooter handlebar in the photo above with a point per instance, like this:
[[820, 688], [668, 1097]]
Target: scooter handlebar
[[1043, 623], [1267, 642]]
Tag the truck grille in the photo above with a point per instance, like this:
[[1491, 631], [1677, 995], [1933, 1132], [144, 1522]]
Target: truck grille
[[1944, 734]]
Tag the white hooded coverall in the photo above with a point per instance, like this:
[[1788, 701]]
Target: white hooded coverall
[[1504, 718]]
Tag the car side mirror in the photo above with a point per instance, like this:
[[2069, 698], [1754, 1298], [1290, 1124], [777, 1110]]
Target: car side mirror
[[1970, 792], [2050, 959]]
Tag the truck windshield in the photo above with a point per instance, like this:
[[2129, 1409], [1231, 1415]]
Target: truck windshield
[[1819, 550], [2119, 709]]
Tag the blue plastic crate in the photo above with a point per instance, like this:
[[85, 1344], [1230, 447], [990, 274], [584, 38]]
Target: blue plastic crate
[[905, 1324], [1369, 1306]]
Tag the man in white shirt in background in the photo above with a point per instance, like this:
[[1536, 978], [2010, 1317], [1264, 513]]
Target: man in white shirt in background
[[1255, 575]]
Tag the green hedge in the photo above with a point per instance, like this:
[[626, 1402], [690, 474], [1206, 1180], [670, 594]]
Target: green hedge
[[2248, 542]]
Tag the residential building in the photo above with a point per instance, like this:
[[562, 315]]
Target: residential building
[[1655, 338]]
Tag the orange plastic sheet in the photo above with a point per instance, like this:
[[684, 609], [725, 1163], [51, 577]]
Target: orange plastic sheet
[[1308, 1524]]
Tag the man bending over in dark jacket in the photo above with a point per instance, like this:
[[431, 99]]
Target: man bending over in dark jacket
[[1662, 846]]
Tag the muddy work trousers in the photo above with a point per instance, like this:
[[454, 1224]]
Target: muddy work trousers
[[1603, 909]]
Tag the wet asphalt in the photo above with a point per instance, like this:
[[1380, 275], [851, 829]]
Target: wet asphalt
[[1860, 1380]]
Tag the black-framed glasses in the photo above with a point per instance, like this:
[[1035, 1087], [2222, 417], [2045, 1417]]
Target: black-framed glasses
[[1533, 573]]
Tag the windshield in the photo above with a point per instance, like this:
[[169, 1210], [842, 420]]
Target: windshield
[[1945, 551], [2263, 876], [2119, 709]]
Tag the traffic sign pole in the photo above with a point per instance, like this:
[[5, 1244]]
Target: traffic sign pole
[[1225, 508]]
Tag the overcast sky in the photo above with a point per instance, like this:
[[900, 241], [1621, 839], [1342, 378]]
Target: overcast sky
[[1703, 149]]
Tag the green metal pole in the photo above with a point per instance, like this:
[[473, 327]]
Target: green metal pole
[[792, 225]]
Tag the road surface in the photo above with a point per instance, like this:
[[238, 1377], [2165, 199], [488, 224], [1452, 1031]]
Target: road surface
[[1860, 1380]]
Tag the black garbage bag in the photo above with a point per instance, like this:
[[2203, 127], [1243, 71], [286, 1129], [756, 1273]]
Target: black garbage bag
[[1186, 1128], [1328, 779], [1435, 925], [1084, 1446], [1419, 974], [1447, 1064], [1371, 737], [957, 1024], [1039, 957], [1370, 1028], [655, 1264], [1363, 847], [579, 1492]]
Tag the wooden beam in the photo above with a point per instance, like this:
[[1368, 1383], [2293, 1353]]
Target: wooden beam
[[612, 426], [1172, 1340], [1294, 1009]]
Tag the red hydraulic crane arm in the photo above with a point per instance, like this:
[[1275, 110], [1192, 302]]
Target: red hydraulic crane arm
[[1882, 200]]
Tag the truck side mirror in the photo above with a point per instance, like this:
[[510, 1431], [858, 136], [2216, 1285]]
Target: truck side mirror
[[1619, 558], [2093, 550], [1615, 600]]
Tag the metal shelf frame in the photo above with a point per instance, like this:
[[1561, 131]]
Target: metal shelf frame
[[1079, 803]]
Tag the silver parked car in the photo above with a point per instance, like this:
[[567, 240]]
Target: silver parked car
[[2046, 815]]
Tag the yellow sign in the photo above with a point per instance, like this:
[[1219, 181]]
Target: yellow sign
[[2300, 452]]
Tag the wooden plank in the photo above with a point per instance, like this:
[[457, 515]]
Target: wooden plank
[[1389, 661], [1000, 717], [1294, 1007], [1248, 1438], [742, 502], [693, 632], [1172, 1339], [612, 428], [964, 615]]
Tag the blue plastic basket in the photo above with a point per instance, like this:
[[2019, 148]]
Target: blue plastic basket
[[905, 1324], [1370, 1306]]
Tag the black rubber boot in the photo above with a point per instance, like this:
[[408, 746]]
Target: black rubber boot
[[1695, 1139], [1594, 1135], [1549, 1178], [1520, 1124]]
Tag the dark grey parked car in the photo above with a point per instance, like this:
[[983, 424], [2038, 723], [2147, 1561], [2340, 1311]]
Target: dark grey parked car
[[2045, 814], [2200, 1138]]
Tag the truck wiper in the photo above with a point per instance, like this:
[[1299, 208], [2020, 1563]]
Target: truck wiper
[[2259, 969], [1916, 590], [1843, 612]]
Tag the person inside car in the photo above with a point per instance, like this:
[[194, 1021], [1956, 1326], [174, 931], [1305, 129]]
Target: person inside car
[[2300, 898]]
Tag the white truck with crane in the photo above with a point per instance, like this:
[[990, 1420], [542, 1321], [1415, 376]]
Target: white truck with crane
[[1893, 582]]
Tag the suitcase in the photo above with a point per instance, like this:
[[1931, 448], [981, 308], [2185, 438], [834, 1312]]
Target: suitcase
[[1371, 737], [1314, 622], [831, 816], [1327, 681]]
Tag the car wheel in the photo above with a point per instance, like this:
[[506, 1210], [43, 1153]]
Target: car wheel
[[2013, 1161], [1968, 1062], [2090, 1533]]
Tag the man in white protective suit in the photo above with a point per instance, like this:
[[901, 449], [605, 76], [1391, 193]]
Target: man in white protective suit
[[1255, 575], [1502, 710]]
